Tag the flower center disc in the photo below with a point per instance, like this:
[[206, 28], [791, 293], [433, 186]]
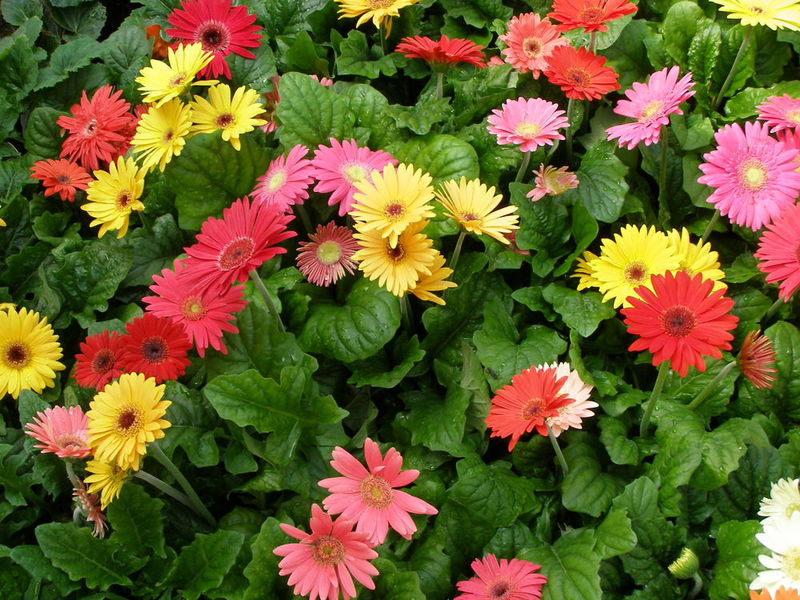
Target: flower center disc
[[327, 551], [678, 321], [394, 211], [214, 36], [129, 421], [593, 14], [577, 77], [532, 47], [527, 129], [791, 563], [329, 253], [276, 180], [124, 199], [532, 409], [235, 254], [395, 254], [224, 120], [752, 174], [154, 350], [793, 116], [17, 355], [375, 492], [500, 590], [354, 173], [103, 361], [373, 4], [62, 179], [192, 308], [635, 273], [650, 110], [69, 441]]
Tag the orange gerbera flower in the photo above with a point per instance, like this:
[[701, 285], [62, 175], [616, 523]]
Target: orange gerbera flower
[[592, 15], [62, 177], [581, 74]]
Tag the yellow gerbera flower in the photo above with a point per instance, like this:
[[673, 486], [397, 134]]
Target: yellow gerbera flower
[[629, 260], [162, 82], [392, 201], [234, 116], [435, 282], [2, 223], [29, 352], [696, 258], [124, 417], [380, 11], [397, 268], [775, 14], [470, 204], [107, 479], [161, 133], [114, 194], [584, 272]]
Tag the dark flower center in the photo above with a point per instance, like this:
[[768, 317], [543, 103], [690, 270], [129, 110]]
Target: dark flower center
[[62, 179], [396, 254], [124, 199], [90, 128], [103, 361], [593, 14], [236, 253], [214, 36], [577, 77], [154, 349], [17, 355], [394, 211], [532, 409], [635, 273], [224, 120], [500, 590], [126, 419], [678, 321]]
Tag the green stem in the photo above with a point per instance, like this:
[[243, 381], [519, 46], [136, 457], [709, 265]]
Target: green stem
[[194, 499], [256, 279], [663, 204], [560, 455], [301, 210], [698, 585], [383, 36], [551, 152], [773, 309], [748, 33], [526, 160], [163, 486], [73, 479], [405, 311], [457, 252], [570, 110], [651, 404], [439, 84], [711, 386], [710, 226]]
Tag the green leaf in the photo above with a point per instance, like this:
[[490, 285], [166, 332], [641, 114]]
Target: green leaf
[[442, 156], [255, 72], [432, 565], [34, 562], [193, 422], [743, 104], [137, 522], [581, 311], [586, 488], [369, 108], [422, 116], [435, 423], [281, 17], [543, 225], [476, 93], [15, 12], [620, 447], [67, 59], [203, 564], [603, 184], [357, 58], [731, 42], [571, 566], [615, 535], [153, 249], [679, 27], [737, 564], [42, 134], [19, 69], [305, 56], [693, 132], [262, 572], [477, 13], [703, 53], [394, 584], [388, 371], [125, 52], [723, 448]]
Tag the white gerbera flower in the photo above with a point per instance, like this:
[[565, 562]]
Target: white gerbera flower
[[571, 414], [782, 537], [783, 501]]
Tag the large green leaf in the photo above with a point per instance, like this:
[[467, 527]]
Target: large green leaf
[[203, 564], [737, 564], [42, 134], [137, 522], [389, 370], [571, 566], [262, 572], [18, 67], [193, 422], [581, 311], [586, 488], [67, 59], [679, 27], [153, 249], [603, 185], [443, 156], [357, 58], [33, 560], [615, 535], [15, 12], [280, 17], [435, 422]]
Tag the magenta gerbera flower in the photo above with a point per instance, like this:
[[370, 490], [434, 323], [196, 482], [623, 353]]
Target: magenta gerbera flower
[[753, 173], [286, 181], [62, 431], [368, 497], [340, 165], [779, 252], [529, 122], [651, 104], [328, 256], [220, 27], [507, 580], [780, 112]]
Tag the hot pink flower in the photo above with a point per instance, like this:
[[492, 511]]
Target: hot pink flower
[[551, 181], [530, 122], [529, 42], [368, 496], [286, 181], [61, 431], [327, 559], [753, 173], [779, 252], [780, 112], [507, 580], [650, 104], [328, 256]]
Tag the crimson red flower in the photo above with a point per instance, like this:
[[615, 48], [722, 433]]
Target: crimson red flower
[[581, 74], [592, 15], [680, 320], [61, 177], [98, 362], [442, 52], [155, 347], [220, 27], [757, 360]]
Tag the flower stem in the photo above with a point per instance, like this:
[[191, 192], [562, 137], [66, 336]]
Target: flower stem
[[593, 41], [439, 84], [711, 386], [163, 486], [526, 160], [663, 205], [457, 252], [301, 210], [194, 499], [698, 585], [773, 309], [710, 226], [73, 479], [663, 369], [570, 110], [560, 455], [273, 310], [405, 311], [748, 33], [383, 36]]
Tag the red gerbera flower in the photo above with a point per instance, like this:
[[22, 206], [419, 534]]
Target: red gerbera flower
[[98, 128], [98, 362], [443, 52], [757, 360], [580, 74], [680, 320], [155, 347], [60, 177], [779, 252], [220, 27], [533, 396], [592, 15]]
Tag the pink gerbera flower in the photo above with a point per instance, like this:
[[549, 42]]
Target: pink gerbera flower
[[340, 165], [327, 559], [62, 431], [779, 252], [529, 122], [529, 42], [328, 256], [571, 415], [324, 81], [203, 313], [219, 27], [780, 112], [227, 249], [551, 181], [286, 181], [651, 104], [505, 580], [753, 173], [90, 504], [368, 496]]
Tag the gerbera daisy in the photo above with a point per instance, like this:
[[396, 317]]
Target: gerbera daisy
[[326, 560], [442, 53], [161, 133], [591, 15], [124, 417], [98, 361], [780, 594], [791, 139], [328, 256], [650, 104], [529, 122], [105, 478], [324, 82], [367, 495], [581, 74], [779, 252], [550, 181], [753, 175], [89, 504], [580, 407], [681, 319], [380, 11], [783, 501], [584, 271], [696, 258], [533, 396], [160, 47], [775, 14], [155, 347], [232, 116], [756, 360], [397, 268], [113, 195], [472, 205], [219, 27], [392, 200], [227, 249], [61, 431], [780, 112], [286, 180], [95, 127], [507, 580], [782, 539], [530, 42], [629, 260], [29, 352], [161, 82], [204, 313], [62, 177], [435, 282], [340, 165]]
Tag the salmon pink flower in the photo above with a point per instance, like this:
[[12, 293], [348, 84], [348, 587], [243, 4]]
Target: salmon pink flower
[[61, 177], [580, 407], [504, 580], [550, 181], [779, 252], [328, 256], [529, 43], [780, 112], [61, 431], [286, 181], [529, 122], [90, 504], [98, 362]]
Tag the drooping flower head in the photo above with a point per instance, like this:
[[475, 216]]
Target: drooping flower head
[[286, 180], [230, 115], [61, 431], [782, 565], [696, 257], [106, 479], [62, 177], [579, 407], [591, 15], [98, 361], [753, 175], [650, 104], [328, 255], [113, 195], [219, 27], [551, 181], [502, 580], [29, 352], [326, 561], [778, 252], [380, 11], [90, 505], [581, 75], [775, 14], [756, 361], [780, 112], [161, 82], [783, 502], [530, 42], [474, 207], [529, 122], [435, 282], [680, 320], [161, 134], [442, 53], [155, 347]]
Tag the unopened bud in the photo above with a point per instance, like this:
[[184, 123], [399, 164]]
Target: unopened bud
[[686, 565]]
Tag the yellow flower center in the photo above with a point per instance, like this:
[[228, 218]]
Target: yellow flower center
[[192, 308], [17, 355], [376, 4], [375, 492], [394, 211], [532, 409], [354, 173], [178, 80], [527, 129], [752, 174], [327, 550], [635, 273], [277, 180], [129, 421], [793, 116], [791, 509], [329, 253], [650, 109], [791, 563]]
